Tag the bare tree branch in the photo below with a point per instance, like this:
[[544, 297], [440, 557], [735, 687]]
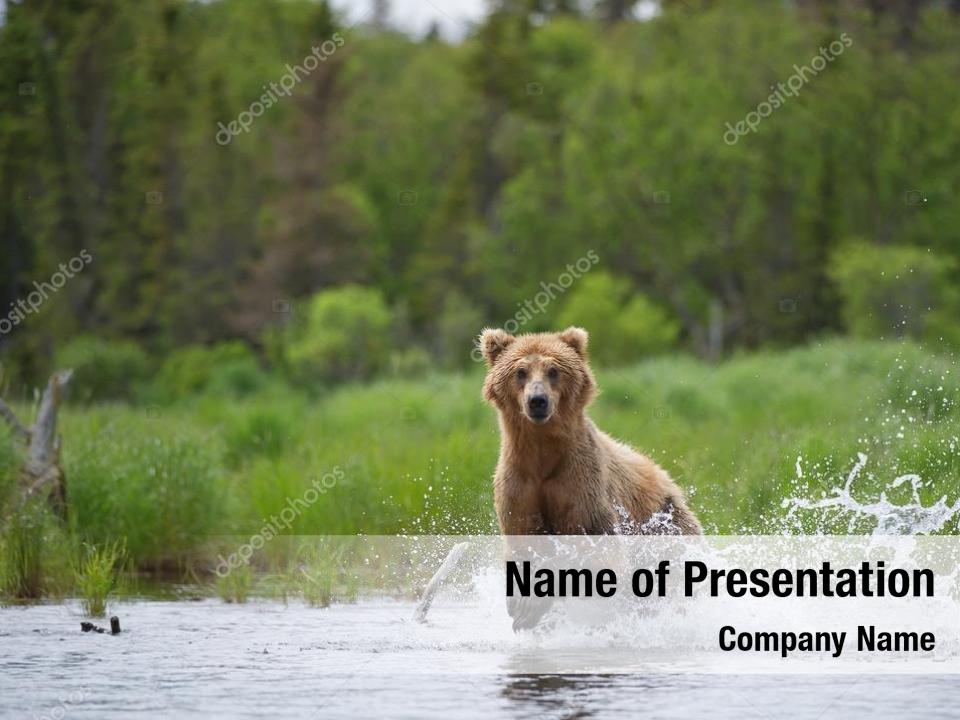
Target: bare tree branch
[[42, 466], [42, 451]]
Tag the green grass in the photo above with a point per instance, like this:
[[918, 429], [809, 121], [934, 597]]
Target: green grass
[[21, 576], [35, 555], [157, 481], [417, 456], [235, 586], [97, 575], [322, 577]]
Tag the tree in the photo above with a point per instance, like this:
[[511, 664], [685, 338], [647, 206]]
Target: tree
[[624, 326]]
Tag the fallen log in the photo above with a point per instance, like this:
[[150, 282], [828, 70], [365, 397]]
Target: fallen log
[[41, 471], [90, 627]]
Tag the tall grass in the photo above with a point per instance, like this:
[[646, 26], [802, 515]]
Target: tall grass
[[97, 573], [322, 576], [35, 554], [417, 456], [10, 459], [235, 586], [21, 576], [156, 481]]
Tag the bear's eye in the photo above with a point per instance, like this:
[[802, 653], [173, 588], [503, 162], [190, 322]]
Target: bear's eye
[[521, 374], [552, 373]]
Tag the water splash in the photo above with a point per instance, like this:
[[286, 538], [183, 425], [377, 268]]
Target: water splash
[[888, 517]]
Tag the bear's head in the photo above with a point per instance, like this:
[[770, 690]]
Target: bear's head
[[540, 377]]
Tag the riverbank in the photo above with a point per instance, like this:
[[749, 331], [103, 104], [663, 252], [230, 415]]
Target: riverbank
[[179, 484]]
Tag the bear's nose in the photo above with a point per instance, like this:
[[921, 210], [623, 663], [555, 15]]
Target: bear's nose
[[538, 404]]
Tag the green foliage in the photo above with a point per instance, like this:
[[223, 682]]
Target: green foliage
[[34, 555], [322, 577], [623, 327], [10, 461], [345, 334], [103, 369], [145, 479], [97, 573], [255, 432], [227, 368], [238, 379], [898, 291], [456, 331], [453, 179], [21, 569], [417, 456], [449, 181], [411, 362], [235, 586]]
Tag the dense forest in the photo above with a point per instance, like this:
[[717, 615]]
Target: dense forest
[[264, 240], [341, 201]]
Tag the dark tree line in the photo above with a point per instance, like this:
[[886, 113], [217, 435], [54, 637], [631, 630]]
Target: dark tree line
[[456, 178]]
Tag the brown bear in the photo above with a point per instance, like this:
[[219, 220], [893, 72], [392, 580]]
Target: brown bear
[[558, 473]]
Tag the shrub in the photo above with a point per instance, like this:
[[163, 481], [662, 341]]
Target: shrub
[[103, 369], [623, 327], [344, 335], [897, 291], [230, 367], [237, 379]]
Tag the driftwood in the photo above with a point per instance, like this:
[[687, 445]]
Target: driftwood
[[90, 627], [41, 471]]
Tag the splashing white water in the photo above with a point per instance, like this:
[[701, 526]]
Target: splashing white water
[[888, 517]]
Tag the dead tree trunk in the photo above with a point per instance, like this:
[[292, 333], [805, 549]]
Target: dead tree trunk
[[41, 471]]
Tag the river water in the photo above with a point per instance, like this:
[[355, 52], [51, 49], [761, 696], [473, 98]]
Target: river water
[[205, 658], [267, 659]]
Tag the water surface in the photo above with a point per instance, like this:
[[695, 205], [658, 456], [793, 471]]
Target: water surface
[[209, 659]]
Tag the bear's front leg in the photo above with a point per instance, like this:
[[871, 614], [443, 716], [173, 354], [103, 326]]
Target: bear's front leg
[[517, 503]]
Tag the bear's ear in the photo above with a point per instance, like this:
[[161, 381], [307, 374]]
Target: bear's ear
[[576, 338], [493, 342]]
